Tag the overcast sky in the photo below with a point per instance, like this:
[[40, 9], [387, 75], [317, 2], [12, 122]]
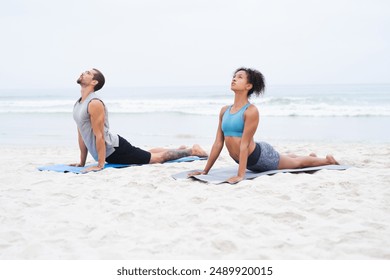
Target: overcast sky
[[48, 43]]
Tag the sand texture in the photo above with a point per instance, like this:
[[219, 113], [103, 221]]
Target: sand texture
[[142, 213]]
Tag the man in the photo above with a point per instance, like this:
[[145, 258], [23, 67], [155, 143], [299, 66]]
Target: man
[[91, 117]]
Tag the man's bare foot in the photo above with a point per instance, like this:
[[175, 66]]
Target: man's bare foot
[[198, 151], [331, 160], [313, 155]]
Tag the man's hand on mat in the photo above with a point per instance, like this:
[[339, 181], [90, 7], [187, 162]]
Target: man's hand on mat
[[196, 173], [92, 168], [235, 179], [76, 164]]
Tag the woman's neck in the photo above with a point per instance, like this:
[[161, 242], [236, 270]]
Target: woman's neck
[[240, 99]]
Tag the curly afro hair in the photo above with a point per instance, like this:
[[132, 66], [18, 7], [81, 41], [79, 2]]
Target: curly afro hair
[[255, 78]]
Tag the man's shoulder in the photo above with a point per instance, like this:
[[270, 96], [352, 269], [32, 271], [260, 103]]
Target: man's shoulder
[[95, 105]]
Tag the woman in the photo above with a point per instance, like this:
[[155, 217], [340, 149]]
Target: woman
[[237, 126]]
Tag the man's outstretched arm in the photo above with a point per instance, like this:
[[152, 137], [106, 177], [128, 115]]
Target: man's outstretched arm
[[96, 112], [83, 151]]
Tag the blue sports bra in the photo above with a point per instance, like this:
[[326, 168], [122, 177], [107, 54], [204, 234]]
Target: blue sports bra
[[233, 124]]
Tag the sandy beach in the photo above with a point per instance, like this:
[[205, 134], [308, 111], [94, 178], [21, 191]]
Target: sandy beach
[[142, 213]]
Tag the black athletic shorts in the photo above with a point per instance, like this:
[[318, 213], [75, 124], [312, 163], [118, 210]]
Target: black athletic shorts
[[128, 154]]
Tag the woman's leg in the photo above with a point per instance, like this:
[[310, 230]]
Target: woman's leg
[[287, 162], [295, 156]]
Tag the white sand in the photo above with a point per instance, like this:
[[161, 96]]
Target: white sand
[[142, 213]]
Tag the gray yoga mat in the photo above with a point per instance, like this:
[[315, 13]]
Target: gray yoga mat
[[220, 175]]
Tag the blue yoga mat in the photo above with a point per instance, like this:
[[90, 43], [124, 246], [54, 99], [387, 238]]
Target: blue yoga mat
[[78, 170]]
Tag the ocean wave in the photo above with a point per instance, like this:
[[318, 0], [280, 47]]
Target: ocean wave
[[274, 106]]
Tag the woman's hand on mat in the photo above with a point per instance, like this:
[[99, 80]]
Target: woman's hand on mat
[[197, 173], [235, 179]]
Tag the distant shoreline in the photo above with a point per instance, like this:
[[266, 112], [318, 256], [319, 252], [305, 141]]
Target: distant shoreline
[[156, 116], [168, 129]]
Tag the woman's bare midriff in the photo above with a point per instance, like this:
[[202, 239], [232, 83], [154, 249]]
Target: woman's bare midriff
[[233, 146]]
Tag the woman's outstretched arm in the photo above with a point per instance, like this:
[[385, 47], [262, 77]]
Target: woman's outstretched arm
[[251, 118], [217, 147]]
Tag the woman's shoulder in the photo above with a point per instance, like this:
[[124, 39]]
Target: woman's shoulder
[[251, 110], [224, 108], [252, 106]]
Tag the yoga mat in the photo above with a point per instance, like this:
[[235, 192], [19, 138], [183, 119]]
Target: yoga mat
[[78, 170], [220, 175]]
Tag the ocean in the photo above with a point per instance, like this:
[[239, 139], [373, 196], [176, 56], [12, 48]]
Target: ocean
[[165, 116]]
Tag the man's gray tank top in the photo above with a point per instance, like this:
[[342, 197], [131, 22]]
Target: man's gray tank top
[[83, 121]]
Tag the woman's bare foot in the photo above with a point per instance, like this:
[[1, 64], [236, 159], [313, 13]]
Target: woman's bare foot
[[331, 160], [198, 151]]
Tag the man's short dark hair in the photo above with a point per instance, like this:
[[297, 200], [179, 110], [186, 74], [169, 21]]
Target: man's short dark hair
[[98, 76]]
